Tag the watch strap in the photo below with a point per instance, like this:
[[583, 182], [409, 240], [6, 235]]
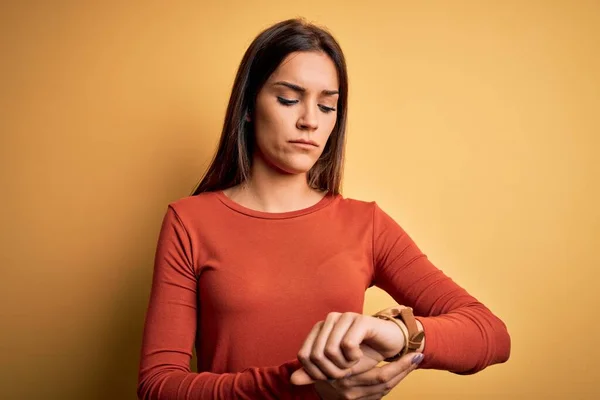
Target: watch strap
[[414, 338]]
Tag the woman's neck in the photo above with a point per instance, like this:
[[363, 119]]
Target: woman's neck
[[274, 199], [272, 191]]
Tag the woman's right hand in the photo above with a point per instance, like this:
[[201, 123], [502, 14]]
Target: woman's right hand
[[333, 347], [369, 359]]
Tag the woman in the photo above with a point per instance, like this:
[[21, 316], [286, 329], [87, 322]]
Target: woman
[[264, 268]]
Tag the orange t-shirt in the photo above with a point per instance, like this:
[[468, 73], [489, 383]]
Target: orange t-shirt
[[246, 287]]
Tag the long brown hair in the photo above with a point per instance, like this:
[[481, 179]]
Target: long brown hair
[[232, 162]]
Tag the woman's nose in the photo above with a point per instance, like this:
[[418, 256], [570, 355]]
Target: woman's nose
[[308, 119]]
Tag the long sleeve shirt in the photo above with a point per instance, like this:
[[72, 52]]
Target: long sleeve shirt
[[245, 287]]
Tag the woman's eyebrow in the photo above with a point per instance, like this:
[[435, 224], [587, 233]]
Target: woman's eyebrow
[[300, 89]]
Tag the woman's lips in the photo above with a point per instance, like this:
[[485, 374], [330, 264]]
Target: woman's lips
[[304, 144]]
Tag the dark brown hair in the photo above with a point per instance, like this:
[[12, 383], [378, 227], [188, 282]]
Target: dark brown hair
[[231, 163]]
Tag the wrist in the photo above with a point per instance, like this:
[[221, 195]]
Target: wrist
[[405, 320], [392, 339], [396, 329]]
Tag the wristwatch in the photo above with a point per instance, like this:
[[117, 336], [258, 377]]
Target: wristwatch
[[413, 338]]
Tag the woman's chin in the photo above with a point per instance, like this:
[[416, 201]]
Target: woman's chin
[[296, 168], [294, 165]]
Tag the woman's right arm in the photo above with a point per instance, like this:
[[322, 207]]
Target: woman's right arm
[[170, 330]]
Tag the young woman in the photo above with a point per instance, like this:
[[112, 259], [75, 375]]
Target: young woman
[[264, 267]]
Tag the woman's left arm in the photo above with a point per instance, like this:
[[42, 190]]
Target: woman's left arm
[[461, 334]]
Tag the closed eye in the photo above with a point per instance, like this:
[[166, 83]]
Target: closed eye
[[289, 102], [286, 102], [326, 109]]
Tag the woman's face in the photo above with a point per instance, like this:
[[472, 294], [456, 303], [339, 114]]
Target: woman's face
[[297, 103]]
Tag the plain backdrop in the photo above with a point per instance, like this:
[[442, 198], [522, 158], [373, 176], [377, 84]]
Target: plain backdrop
[[474, 124]]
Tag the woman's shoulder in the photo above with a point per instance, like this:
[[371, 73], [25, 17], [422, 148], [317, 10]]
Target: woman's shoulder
[[352, 204], [369, 207], [195, 204], [355, 202]]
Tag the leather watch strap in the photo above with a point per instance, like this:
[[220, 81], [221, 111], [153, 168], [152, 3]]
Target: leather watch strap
[[415, 337], [405, 314]]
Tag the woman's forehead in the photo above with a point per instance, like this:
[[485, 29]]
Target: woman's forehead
[[314, 71]]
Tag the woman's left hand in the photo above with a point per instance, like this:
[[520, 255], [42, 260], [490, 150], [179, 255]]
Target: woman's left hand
[[332, 350], [371, 385]]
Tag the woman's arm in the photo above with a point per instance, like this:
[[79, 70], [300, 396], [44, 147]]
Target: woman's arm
[[170, 329], [461, 334]]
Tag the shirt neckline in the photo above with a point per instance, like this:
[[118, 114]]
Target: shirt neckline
[[326, 200]]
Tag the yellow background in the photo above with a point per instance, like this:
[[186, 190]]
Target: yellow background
[[473, 123]]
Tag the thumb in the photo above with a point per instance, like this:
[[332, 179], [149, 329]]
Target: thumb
[[411, 360], [300, 377]]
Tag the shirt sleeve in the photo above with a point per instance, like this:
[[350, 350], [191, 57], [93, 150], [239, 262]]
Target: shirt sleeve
[[170, 331], [461, 334]]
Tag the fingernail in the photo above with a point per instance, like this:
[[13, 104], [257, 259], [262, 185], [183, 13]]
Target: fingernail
[[348, 375], [417, 359]]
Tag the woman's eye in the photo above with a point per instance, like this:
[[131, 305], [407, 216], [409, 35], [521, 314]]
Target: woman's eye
[[326, 109], [289, 102], [286, 102]]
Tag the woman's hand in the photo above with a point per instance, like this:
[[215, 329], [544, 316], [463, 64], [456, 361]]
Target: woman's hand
[[334, 347], [372, 384], [369, 359]]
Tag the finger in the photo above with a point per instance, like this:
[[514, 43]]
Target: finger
[[385, 373], [372, 391], [350, 343], [300, 377], [379, 381], [383, 389], [368, 360], [333, 350], [318, 357], [305, 353]]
